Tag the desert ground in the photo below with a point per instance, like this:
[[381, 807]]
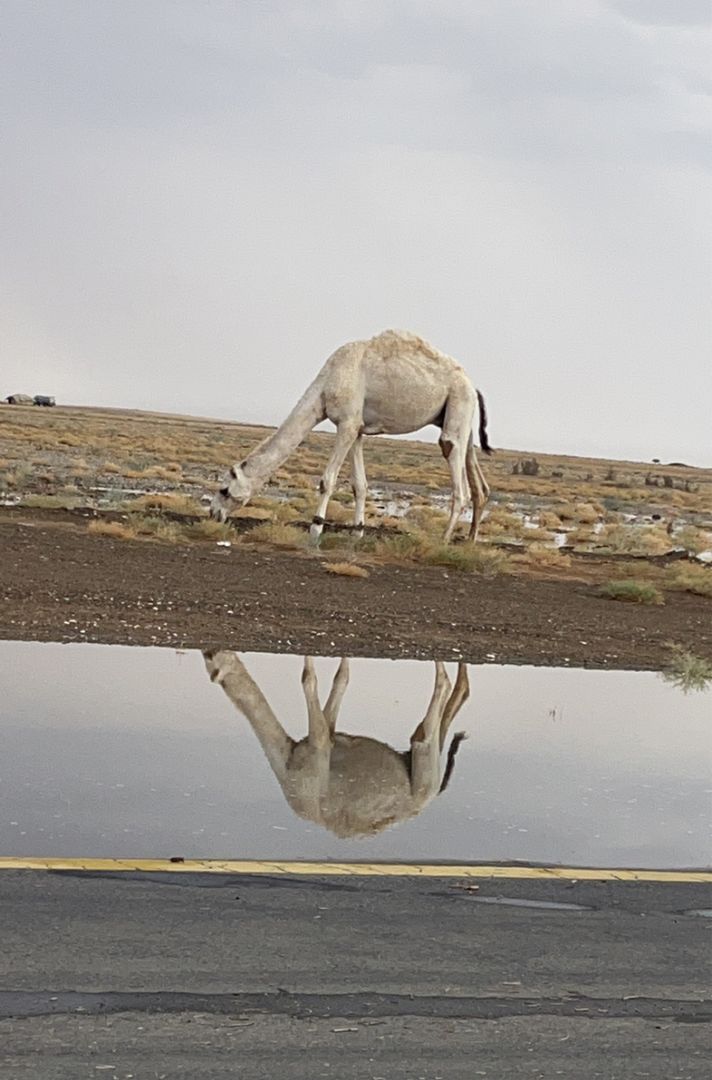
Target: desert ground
[[104, 537]]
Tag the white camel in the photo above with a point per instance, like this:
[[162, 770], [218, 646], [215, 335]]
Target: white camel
[[393, 384], [351, 784]]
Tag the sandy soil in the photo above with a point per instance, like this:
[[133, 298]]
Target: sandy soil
[[60, 583]]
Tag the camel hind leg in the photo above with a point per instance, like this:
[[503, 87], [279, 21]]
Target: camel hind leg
[[456, 430], [358, 484], [425, 742], [454, 703], [479, 488]]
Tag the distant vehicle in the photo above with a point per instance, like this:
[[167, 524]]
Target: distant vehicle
[[19, 399], [43, 399]]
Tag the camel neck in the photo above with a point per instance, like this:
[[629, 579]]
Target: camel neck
[[277, 447]]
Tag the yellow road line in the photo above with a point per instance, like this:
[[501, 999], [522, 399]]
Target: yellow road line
[[332, 869]]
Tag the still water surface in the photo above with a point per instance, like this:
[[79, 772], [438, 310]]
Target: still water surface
[[113, 751]]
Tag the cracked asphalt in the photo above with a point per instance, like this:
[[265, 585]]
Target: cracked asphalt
[[196, 975]]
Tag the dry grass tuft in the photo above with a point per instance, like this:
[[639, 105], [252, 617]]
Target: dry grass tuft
[[694, 540], [345, 569], [687, 671], [116, 529], [634, 540], [278, 535], [634, 592], [690, 577], [418, 547], [207, 529], [159, 528], [544, 557], [173, 501]]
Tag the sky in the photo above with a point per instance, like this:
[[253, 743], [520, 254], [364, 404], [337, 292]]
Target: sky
[[202, 199]]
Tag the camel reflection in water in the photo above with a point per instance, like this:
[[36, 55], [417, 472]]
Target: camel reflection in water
[[353, 785]]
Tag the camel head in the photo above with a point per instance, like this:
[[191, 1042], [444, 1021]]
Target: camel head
[[236, 491]]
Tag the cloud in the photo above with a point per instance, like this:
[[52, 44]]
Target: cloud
[[202, 201]]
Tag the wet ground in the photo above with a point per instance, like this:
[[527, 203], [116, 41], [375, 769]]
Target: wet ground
[[114, 751]]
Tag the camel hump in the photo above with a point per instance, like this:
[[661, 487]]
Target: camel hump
[[392, 342]]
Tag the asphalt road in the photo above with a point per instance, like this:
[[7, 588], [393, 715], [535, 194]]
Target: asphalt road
[[206, 975]]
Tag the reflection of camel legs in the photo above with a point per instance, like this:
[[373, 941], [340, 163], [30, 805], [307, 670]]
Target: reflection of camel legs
[[228, 670], [311, 759], [455, 702], [425, 741], [336, 694]]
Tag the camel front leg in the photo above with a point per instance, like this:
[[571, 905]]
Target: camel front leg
[[228, 670], [336, 694], [343, 441], [358, 485], [319, 729]]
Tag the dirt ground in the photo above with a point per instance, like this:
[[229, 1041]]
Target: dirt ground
[[59, 582]]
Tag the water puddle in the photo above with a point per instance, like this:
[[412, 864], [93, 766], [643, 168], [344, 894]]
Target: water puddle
[[114, 751]]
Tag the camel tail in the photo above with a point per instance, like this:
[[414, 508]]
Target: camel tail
[[484, 441], [451, 755]]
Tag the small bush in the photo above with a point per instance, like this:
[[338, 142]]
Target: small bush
[[586, 513], [427, 518], [207, 529], [117, 529], [634, 540], [694, 540], [346, 569], [687, 671], [473, 558], [174, 501], [635, 592], [545, 557], [410, 545], [278, 535], [159, 528], [691, 578]]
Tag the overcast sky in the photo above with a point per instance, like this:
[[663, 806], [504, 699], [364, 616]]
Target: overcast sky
[[201, 199]]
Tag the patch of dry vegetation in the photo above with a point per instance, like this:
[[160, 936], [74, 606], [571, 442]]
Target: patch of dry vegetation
[[690, 577], [345, 569], [693, 539], [40, 450], [687, 671], [416, 546], [168, 500], [207, 529], [634, 540], [117, 529], [278, 534], [634, 592], [544, 557]]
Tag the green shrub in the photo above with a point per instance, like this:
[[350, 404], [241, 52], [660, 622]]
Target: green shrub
[[635, 592]]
